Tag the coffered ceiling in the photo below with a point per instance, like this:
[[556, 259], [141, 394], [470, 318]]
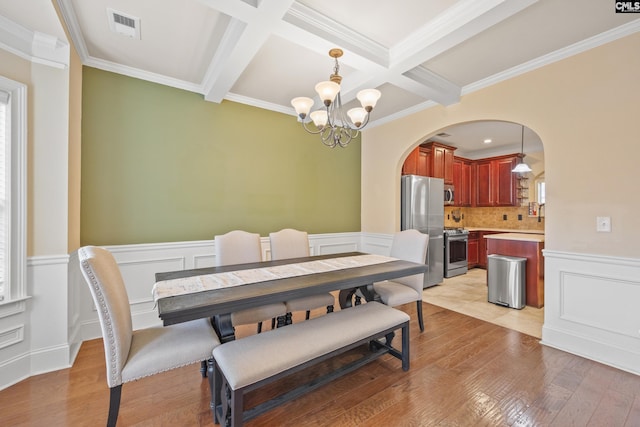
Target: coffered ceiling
[[264, 53]]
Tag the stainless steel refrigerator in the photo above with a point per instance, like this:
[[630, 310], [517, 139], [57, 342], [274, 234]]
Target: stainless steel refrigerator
[[422, 208]]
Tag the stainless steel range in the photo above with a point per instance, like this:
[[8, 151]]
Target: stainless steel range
[[455, 251]]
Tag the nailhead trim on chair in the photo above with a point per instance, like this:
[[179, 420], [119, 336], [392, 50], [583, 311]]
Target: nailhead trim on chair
[[105, 313]]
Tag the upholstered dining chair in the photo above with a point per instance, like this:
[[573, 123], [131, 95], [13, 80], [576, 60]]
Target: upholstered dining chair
[[131, 355], [408, 245], [290, 243], [241, 247]]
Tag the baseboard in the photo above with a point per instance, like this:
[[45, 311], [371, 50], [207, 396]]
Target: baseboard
[[50, 359], [14, 370], [583, 346], [34, 363]]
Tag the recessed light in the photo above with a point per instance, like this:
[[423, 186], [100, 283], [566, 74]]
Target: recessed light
[[487, 141]]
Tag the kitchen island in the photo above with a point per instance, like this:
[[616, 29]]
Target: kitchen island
[[525, 245]]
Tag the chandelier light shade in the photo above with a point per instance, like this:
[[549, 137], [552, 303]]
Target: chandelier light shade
[[332, 124], [521, 167]]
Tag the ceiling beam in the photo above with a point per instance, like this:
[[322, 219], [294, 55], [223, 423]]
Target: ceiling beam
[[240, 44]]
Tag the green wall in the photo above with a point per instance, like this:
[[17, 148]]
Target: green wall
[[161, 164]]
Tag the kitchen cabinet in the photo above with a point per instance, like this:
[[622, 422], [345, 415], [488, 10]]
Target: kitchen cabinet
[[410, 166], [482, 248], [472, 249], [417, 162], [483, 182], [495, 184], [527, 246], [462, 181], [431, 159], [442, 161]]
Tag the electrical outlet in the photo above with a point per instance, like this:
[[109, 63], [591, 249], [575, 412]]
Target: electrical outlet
[[603, 224], [519, 217], [504, 217]]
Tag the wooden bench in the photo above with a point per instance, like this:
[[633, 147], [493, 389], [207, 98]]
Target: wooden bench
[[248, 363]]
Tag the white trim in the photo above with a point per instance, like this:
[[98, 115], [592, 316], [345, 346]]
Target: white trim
[[321, 26], [18, 191], [40, 260], [11, 336], [33, 46], [591, 307], [594, 325], [601, 259], [558, 55], [13, 307]]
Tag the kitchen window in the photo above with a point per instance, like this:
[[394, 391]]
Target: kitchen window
[[540, 190], [13, 190]]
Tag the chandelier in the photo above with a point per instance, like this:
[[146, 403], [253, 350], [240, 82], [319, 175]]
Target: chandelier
[[331, 122]]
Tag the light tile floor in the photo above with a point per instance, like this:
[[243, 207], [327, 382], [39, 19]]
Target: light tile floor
[[467, 294]]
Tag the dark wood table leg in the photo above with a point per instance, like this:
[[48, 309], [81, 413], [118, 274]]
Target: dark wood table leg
[[345, 296], [370, 293], [223, 327]]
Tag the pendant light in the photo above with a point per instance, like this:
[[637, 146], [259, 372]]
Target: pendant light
[[521, 167]]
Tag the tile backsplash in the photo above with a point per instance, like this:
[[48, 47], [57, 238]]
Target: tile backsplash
[[492, 218]]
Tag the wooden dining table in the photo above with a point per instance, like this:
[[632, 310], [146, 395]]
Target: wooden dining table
[[218, 304]]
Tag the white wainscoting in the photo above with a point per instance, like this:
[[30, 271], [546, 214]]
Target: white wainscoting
[[592, 307], [33, 331], [140, 263], [590, 301]]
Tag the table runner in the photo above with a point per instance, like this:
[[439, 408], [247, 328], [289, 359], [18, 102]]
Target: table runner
[[187, 285]]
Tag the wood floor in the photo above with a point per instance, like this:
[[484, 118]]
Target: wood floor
[[464, 372]]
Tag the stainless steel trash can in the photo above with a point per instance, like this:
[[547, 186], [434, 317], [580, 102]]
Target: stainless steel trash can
[[506, 280]]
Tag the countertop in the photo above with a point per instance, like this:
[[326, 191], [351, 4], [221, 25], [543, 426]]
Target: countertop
[[523, 237], [505, 230]]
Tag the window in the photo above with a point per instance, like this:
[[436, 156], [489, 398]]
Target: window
[[13, 190], [540, 190]]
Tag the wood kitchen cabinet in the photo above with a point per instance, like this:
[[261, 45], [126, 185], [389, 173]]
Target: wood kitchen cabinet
[[417, 162], [462, 181], [472, 249], [495, 184], [431, 159], [410, 166], [482, 248], [441, 161], [483, 182]]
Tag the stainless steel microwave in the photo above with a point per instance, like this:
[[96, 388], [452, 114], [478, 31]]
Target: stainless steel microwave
[[448, 195]]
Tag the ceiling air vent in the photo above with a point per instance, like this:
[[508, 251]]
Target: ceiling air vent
[[443, 135], [124, 24]]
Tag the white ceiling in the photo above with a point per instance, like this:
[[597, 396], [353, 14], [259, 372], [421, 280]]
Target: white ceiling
[[264, 53]]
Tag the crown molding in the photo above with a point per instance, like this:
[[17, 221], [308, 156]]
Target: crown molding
[[558, 55], [34, 46], [321, 26], [73, 28], [260, 104], [143, 75]]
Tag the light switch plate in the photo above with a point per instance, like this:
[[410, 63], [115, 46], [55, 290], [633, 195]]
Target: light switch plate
[[603, 224]]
